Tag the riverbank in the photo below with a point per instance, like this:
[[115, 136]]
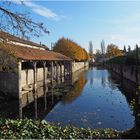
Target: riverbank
[[126, 67], [27, 128], [37, 129]]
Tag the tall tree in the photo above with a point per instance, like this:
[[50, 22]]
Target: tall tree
[[17, 23], [103, 47], [70, 49], [124, 50], [129, 48], [90, 49]]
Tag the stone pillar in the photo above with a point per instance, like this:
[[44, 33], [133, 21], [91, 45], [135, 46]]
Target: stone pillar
[[27, 77], [20, 90], [35, 87], [35, 77], [52, 73], [44, 76], [60, 71], [45, 84], [64, 73], [19, 80], [57, 72], [20, 109], [71, 69]]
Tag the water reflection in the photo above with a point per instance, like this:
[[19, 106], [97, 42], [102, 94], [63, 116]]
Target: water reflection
[[101, 104], [132, 95], [92, 77], [95, 98]]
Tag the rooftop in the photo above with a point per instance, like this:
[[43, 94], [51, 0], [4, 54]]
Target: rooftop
[[26, 53], [9, 37]]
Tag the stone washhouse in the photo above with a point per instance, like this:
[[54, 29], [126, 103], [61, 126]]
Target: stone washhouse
[[26, 66]]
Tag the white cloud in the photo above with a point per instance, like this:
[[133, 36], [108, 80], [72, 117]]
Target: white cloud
[[41, 10]]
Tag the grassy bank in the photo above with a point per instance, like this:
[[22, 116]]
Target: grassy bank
[[27, 128]]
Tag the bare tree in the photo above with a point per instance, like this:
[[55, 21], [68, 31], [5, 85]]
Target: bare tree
[[17, 23]]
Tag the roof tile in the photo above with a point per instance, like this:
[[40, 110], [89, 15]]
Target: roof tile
[[26, 53]]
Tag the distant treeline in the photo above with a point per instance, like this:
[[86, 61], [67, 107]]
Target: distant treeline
[[128, 59]]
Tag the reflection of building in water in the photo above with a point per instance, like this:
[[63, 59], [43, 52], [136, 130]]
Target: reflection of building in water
[[40, 106], [103, 79], [32, 106], [112, 82]]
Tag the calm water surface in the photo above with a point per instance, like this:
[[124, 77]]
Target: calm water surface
[[96, 101]]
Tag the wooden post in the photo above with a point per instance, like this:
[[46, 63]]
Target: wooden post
[[20, 90]]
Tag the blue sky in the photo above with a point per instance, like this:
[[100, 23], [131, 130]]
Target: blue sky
[[83, 21]]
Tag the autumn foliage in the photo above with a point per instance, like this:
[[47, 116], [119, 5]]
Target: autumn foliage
[[71, 49], [113, 51]]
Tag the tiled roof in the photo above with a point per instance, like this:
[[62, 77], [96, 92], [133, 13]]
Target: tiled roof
[[26, 53], [5, 36]]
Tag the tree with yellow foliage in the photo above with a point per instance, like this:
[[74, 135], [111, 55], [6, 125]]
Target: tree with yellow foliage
[[71, 49], [113, 51]]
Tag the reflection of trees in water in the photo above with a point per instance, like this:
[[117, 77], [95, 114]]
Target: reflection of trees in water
[[112, 81], [129, 89], [91, 77], [103, 81], [76, 91]]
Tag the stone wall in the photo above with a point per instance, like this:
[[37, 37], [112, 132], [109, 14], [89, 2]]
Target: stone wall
[[8, 75], [8, 84], [27, 76], [78, 65], [9, 81], [128, 72]]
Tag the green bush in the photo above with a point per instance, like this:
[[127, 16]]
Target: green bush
[[27, 128]]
